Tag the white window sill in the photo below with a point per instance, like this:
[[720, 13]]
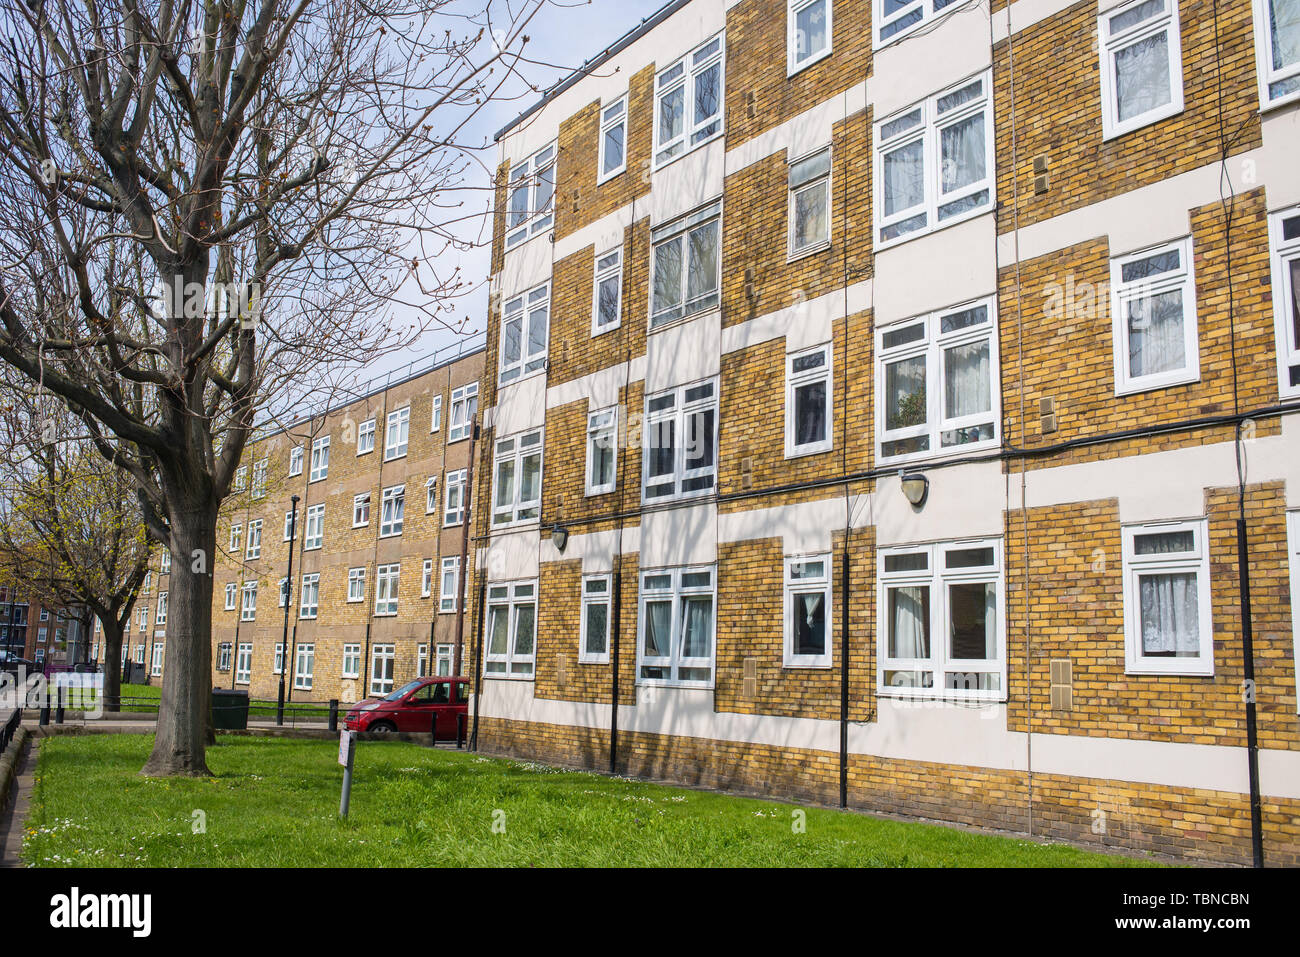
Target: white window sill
[[802, 453], [511, 526], [1282, 101], [502, 676], [604, 178], [600, 660], [394, 458], [790, 665], [1142, 122], [1191, 669], [361, 452], [679, 499], [693, 685], [932, 694], [604, 329], [881, 244], [689, 150], [1137, 388], [597, 492], [794, 69], [523, 377], [793, 256], [930, 457], [683, 320]]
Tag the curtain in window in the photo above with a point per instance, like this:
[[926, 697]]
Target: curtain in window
[[1284, 28], [967, 385], [809, 624], [658, 629], [1170, 615], [963, 153], [1155, 334], [1142, 76], [697, 627], [909, 622], [810, 225], [904, 178]]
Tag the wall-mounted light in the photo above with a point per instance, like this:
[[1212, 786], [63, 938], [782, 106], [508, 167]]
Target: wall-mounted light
[[559, 536], [915, 487]]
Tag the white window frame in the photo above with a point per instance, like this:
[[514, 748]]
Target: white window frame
[[678, 594], [793, 62], [680, 412], [933, 344], [930, 10], [147, 585], [520, 309], [160, 611], [387, 584], [510, 596], [399, 422], [426, 578], [602, 426], [232, 591], [464, 405], [431, 495], [277, 662], [530, 218], [1109, 44], [1196, 560], [236, 537], [241, 478], [683, 74], [796, 380], [312, 540], [1267, 73], [295, 461], [165, 563], [290, 518], [608, 267], [384, 653], [596, 590], [924, 123], [361, 510], [366, 436], [309, 596], [259, 479], [283, 592], [248, 602], [679, 230], [351, 661], [1182, 279], [320, 459], [455, 483], [435, 414], [936, 576], [356, 584], [516, 450], [244, 663], [443, 655], [304, 665], [156, 662], [802, 177], [1286, 297], [808, 584], [392, 511], [422, 660], [253, 545], [447, 594], [612, 114]]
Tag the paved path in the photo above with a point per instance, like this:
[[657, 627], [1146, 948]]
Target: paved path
[[11, 822]]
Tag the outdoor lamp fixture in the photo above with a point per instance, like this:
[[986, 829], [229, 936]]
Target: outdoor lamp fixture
[[559, 536], [915, 487]]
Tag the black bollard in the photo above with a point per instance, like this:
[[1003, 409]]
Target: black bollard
[[334, 714]]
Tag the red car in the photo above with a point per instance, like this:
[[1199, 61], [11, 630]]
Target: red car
[[412, 707]]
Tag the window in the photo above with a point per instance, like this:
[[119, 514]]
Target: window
[[155, 665], [259, 479], [686, 265], [241, 478], [366, 437], [675, 640], [602, 449], [392, 510], [223, 656], [142, 617], [309, 599], [808, 24], [532, 194], [464, 403], [435, 417], [160, 615], [808, 402], [807, 612], [386, 577], [1141, 65], [397, 433], [295, 461], [431, 495], [320, 458], [426, 578], [1293, 548], [139, 653], [304, 665], [254, 549], [40, 655], [810, 203], [1153, 309], [688, 102], [594, 636], [248, 609], [165, 564], [42, 634], [421, 661], [361, 510], [450, 585], [236, 536], [518, 495], [607, 305], [1277, 37], [895, 18], [934, 162], [244, 663], [454, 511], [351, 661], [511, 625], [524, 350], [936, 382], [45, 614], [290, 518], [147, 586], [613, 139], [444, 662], [356, 584], [277, 667], [284, 592], [942, 615], [381, 669], [231, 589], [1285, 229], [1167, 626], [681, 443], [313, 534]]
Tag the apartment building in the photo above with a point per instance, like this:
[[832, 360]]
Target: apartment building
[[45, 633], [377, 549], [872, 395]]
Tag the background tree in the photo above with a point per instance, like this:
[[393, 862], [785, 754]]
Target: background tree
[[308, 152]]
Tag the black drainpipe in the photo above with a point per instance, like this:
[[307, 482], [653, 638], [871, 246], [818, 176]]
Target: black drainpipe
[[613, 694], [844, 683], [1248, 664], [478, 657]]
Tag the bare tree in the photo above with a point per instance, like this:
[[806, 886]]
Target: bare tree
[[209, 206]]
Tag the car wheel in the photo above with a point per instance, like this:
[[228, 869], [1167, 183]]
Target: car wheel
[[382, 727]]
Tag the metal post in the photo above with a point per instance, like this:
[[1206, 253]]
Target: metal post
[[58, 701], [346, 799], [288, 601]]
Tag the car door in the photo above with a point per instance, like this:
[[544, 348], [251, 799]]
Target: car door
[[442, 705], [416, 711]]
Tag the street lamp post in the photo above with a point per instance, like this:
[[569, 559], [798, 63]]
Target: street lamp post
[[288, 600]]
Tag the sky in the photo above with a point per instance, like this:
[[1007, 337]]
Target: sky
[[566, 32]]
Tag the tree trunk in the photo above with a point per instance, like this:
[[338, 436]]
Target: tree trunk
[[179, 747], [112, 664]]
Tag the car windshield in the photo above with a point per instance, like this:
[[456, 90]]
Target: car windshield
[[403, 691]]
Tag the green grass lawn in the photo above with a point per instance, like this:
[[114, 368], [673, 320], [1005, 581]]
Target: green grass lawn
[[274, 802]]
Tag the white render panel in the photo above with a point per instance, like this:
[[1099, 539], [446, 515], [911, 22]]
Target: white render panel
[[906, 72], [600, 388], [800, 134], [943, 268], [1277, 164], [693, 180], [1025, 13], [521, 405], [511, 555], [684, 352], [529, 264], [686, 535], [965, 501], [806, 323], [804, 527]]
